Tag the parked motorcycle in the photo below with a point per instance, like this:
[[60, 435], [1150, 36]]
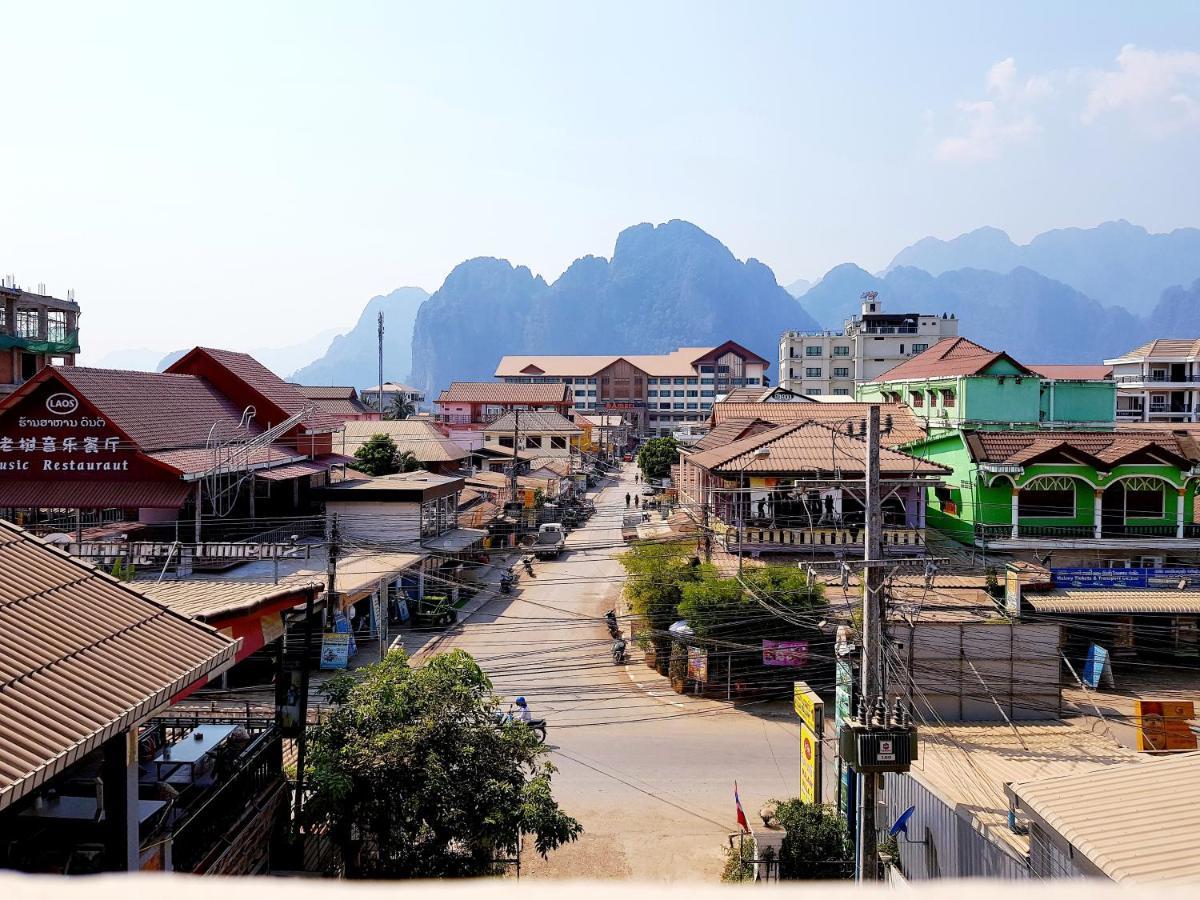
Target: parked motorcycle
[[528, 564], [507, 580], [610, 619]]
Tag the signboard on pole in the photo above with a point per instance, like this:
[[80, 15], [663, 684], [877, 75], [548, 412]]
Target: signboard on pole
[[335, 650], [697, 664], [811, 710], [1118, 578], [784, 653]]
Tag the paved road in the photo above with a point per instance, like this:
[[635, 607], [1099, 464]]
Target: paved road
[[649, 773]]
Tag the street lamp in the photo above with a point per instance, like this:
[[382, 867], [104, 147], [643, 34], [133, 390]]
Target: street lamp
[[759, 454]]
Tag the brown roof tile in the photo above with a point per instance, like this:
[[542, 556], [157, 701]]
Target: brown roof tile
[[1073, 372], [499, 392], [906, 427], [197, 461], [421, 438], [809, 447], [1020, 447], [948, 357], [82, 657], [94, 494]]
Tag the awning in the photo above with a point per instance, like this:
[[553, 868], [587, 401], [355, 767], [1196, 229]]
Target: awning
[[93, 495], [1165, 602], [455, 541]]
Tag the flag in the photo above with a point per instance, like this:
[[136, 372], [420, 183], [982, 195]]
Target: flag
[[741, 813]]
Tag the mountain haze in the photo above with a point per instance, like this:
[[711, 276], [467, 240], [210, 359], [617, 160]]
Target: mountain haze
[[666, 286]]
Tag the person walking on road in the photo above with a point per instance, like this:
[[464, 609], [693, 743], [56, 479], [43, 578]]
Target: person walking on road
[[627, 501], [635, 502]]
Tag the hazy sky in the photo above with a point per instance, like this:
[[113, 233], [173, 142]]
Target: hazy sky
[[247, 174]]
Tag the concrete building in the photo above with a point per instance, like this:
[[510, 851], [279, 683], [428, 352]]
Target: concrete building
[[534, 434], [382, 396], [656, 394], [342, 402], [36, 330], [1158, 382], [832, 362]]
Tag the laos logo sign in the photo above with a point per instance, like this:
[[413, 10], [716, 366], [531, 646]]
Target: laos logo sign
[[62, 404]]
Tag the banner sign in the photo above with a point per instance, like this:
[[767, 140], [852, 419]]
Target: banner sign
[[784, 653], [697, 664], [1163, 724], [1122, 578], [335, 650], [810, 766], [808, 705]]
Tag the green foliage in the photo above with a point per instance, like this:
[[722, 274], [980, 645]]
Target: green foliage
[[377, 456], [539, 498], [123, 571], [656, 457], [408, 462], [418, 780], [992, 581], [719, 607], [817, 844], [677, 667], [739, 861], [399, 408], [657, 574]]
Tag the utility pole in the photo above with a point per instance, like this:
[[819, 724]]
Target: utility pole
[[331, 558], [379, 393], [512, 484], [873, 679]]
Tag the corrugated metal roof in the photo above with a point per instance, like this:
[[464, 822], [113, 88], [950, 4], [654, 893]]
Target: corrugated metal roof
[[420, 438], [534, 422], [212, 599], [94, 494], [1135, 822], [360, 573], [501, 392], [967, 766], [1070, 600], [82, 657]]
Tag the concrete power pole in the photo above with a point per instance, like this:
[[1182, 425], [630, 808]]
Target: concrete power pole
[[873, 674], [512, 489], [379, 393]]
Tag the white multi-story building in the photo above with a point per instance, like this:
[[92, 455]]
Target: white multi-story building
[[828, 362], [1158, 382]]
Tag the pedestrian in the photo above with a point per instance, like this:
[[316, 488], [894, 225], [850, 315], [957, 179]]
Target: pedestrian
[[635, 502], [627, 501]]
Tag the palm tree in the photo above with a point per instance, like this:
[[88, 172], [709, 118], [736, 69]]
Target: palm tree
[[400, 408]]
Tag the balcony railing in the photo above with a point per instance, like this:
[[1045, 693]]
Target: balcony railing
[[889, 329], [1125, 532], [782, 539], [1157, 379]]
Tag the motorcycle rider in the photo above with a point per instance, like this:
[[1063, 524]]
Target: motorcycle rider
[[522, 715]]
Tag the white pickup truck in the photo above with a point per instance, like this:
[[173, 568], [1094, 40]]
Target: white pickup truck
[[550, 541]]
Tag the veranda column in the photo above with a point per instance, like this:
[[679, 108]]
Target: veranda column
[[1181, 493], [1097, 521], [1016, 511]]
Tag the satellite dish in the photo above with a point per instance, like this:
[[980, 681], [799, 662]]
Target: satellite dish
[[901, 824]]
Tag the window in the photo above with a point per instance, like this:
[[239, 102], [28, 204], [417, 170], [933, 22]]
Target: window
[[651, 393], [1055, 501], [558, 443], [693, 380], [680, 380], [56, 325], [842, 392], [679, 393], [704, 369], [948, 399], [693, 406], [752, 381], [27, 323], [916, 398], [678, 406], [693, 393], [706, 380], [708, 393], [812, 350], [918, 348], [506, 440], [664, 406], [841, 351], [815, 392], [651, 381], [579, 392], [791, 352], [841, 372], [812, 373], [1143, 499]]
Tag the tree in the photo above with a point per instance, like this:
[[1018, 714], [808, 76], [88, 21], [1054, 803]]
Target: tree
[[816, 844], [418, 779], [657, 574], [718, 607], [406, 461], [657, 456], [400, 408], [377, 456]]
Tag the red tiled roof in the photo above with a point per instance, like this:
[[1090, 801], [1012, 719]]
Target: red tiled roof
[[158, 411], [906, 427], [808, 447], [500, 392], [287, 397], [197, 461], [307, 467], [1073, 372], [1105, 447], [93, 494], [333, 392], [947, 358]]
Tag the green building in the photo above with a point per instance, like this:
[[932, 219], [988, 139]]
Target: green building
[[1039, 465]]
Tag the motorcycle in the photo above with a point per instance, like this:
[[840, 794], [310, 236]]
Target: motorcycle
[[610, 619], [528, 564], [537, 726], [507, 580], [619, 654]]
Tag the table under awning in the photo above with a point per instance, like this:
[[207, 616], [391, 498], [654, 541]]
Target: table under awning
[[93, 495]]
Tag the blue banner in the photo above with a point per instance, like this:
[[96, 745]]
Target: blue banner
[[1122, 578]]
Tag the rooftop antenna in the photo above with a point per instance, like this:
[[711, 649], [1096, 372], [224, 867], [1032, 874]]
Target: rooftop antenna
[[231, 457]]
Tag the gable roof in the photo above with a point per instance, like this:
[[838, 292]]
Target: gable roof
[[502, 393], [682, 361], [906, 427], [762, 395], [809, 447], [158, 411], [287, 398], [1070, 372], [533, 422], [421, 438], [1102, 448], [948, 358], [1162, 348], [82, 658]]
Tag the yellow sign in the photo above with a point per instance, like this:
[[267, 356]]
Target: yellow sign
[[1163, 724], [809, 707], [810, 766]]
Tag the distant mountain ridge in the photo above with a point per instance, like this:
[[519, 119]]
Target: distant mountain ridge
[[666, 286], [1117, 263]]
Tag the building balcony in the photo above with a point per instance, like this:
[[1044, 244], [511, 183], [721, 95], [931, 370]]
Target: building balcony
[[1024, 537], [1158, 381], [55, 342], [764, 538]]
